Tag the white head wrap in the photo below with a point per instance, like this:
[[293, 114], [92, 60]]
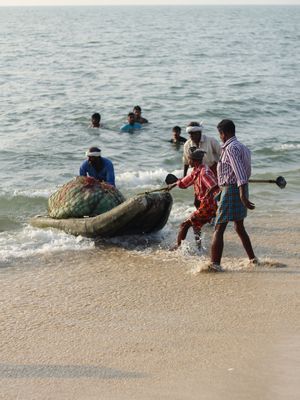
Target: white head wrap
[[191, 129], [93, 153]]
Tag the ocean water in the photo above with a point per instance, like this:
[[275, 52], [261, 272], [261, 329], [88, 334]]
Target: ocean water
[[60, 65]]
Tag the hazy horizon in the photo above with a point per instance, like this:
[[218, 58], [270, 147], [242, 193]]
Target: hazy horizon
[[18, 3]]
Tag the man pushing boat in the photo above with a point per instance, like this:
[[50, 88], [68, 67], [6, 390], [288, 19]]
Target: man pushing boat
[[205, 187], [98, 167]]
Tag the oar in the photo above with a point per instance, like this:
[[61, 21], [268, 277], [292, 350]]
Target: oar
[[163, 189], [170, 178], [280, 181]]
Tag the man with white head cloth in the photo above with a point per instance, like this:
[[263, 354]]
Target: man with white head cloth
[[209, 145], [98, 167]]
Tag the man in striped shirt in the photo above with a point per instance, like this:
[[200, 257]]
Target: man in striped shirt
[[205, 186], [234, 170]]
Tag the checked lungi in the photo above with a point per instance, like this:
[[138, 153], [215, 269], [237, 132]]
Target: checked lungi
[[230, 207]]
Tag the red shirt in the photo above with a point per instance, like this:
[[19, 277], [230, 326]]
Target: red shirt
[[203, 179]]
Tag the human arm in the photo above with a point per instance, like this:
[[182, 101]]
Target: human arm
[[185, 169], [244, 197], [239, 165], [110, 173], [212, 191], [209, 180], [185, 157], [186, 181], [83, 169], [216, 149], [214, 168]]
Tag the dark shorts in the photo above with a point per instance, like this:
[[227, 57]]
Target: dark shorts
[[230, 207]]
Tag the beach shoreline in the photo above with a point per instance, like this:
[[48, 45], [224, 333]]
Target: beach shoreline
[[125, 318], [119, 324]]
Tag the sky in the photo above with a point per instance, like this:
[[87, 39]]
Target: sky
[[139, 2]]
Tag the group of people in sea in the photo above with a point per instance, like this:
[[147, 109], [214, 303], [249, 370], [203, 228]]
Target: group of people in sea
[[220, 175], [102, 168], [134, 120]]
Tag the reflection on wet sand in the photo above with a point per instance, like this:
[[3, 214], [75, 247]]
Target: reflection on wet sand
[[63, 372]]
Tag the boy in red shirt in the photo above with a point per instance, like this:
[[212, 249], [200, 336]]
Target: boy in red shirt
[[205, 188]]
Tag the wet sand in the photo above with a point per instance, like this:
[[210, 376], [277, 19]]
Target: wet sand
[[119, 324]]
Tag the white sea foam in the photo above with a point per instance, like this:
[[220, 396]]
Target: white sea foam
[[290, 146], [28, 193], [128, 179], [34, 193], [31, 241], [238, 265], [180, 212], [143, 179]]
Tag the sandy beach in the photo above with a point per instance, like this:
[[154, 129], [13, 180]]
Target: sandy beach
[[127, 319], [117, 324]]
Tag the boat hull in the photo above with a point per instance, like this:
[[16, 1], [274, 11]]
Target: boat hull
[[144, 213]]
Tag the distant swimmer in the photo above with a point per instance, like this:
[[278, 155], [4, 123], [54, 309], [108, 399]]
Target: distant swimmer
[[138, 115], [176, 138], [132, 124], [205, 187], [234, 170], [98, 167], [208, 144], [95, 120]]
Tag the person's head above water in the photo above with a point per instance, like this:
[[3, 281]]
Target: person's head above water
[[137, 111], [176, 131], [95, 120], [131, 118], [138, 115]]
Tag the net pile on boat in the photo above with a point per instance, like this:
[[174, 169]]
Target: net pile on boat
[[82, 197]]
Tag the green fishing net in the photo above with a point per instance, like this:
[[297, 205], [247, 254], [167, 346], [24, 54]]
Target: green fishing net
[[83, 196]]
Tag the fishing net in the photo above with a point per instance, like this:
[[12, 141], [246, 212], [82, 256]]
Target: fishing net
[[83, 196]]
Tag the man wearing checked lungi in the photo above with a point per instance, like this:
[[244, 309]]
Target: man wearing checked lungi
[[234, 170]]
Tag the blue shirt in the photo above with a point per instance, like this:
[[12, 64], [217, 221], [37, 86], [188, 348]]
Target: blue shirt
[[106, 173], [130, 127]]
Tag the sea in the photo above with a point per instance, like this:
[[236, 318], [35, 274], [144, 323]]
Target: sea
[[59, 65]]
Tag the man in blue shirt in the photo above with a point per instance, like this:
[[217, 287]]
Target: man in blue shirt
[[132, 125], [98, 167]]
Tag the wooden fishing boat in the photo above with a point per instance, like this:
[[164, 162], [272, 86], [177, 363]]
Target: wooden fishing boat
[[143, 213]]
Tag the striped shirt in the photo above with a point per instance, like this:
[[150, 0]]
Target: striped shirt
[[203, 179], [234, 166]]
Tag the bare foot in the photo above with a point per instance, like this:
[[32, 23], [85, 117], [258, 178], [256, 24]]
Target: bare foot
[[214, 267], [174, 247]]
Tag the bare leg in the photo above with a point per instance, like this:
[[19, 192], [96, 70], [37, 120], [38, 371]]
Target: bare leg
[[218, 243], [197, 235], [241, 231], [183, 230]]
